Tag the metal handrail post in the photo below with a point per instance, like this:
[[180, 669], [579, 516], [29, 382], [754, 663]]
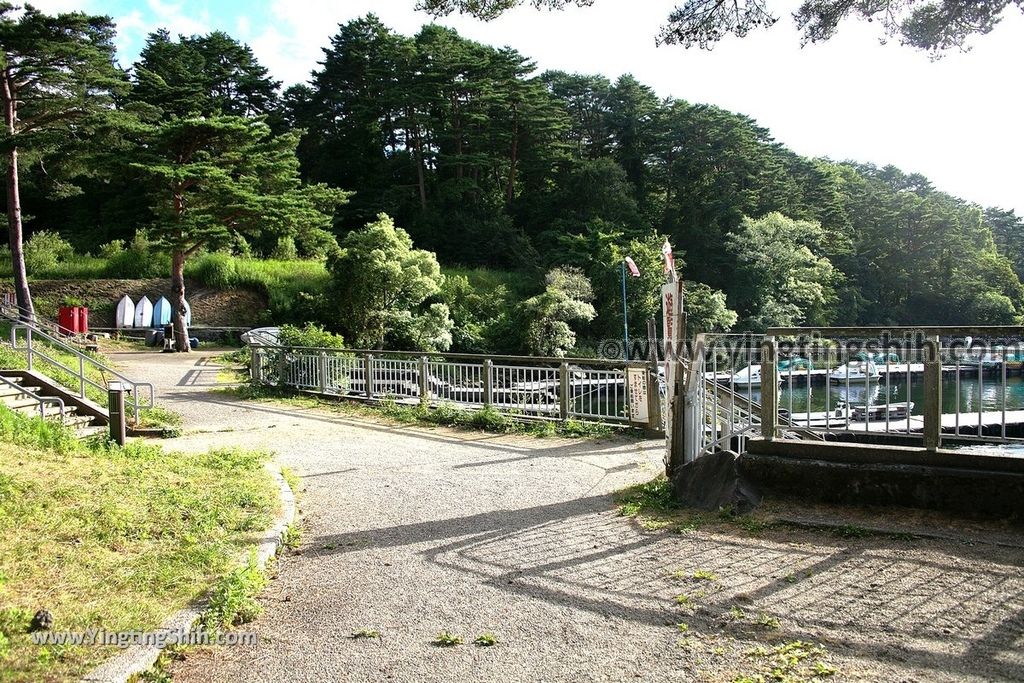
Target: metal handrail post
[[368, 375], [424, 380], [769, 388], [488, 382], [563, 391], [933, 394]]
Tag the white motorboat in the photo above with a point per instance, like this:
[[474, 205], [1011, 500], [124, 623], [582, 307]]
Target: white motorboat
[[750, 376], [854, 370]]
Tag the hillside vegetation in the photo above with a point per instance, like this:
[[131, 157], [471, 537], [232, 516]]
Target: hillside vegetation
[[488, 207]]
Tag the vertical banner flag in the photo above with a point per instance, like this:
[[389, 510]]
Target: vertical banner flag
[[633, 270], [670, 261]]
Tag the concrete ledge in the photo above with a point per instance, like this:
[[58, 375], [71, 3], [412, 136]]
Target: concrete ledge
[[878, 454], [970, 492], [138, 658]]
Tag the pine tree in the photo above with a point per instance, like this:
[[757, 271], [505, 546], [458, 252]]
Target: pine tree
[[58, 78], [215, 177]]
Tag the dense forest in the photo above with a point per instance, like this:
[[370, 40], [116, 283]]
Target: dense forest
[[554, 176]]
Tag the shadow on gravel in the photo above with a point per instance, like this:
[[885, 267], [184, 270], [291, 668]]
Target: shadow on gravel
[[954, 609]]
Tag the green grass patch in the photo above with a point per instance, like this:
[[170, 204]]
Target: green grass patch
[[365, 633], [116, 538], [794, 661], [233, 598]]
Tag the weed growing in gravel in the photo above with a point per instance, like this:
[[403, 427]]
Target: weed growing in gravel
[[446, 639], [705, 575], [365, 633], [794, 661], [682, 627], [485, 640], [292, 536], [768, 622], [851, 531], [684, 599]]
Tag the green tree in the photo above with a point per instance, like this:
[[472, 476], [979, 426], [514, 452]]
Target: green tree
[[383, 285], [565, 300], [706, 309], [58, 79], [783, 281], [214, 178], [203, 76]]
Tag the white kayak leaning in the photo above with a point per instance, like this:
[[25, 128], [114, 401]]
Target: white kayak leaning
[[125, 312], [144, 313]]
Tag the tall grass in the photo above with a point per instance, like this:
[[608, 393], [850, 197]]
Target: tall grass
[[285, 283]]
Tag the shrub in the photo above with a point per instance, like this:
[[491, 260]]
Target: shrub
[[285, 249], [44, 250], [312, 335], [112, 249], [140, 260]]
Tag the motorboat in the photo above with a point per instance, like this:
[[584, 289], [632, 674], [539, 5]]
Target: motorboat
[[750, 376], [856, 370]]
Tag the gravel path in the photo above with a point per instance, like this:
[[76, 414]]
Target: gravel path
[[412, 531]]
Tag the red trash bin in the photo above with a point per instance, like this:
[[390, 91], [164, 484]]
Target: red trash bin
[[83, 320], [67, 319]]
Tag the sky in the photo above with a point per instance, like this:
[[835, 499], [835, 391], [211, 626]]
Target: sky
[[957, 120]]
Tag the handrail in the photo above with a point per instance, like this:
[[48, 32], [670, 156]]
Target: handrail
[[41, 400], [83, 360]]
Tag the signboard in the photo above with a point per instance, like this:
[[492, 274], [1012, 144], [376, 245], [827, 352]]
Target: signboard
[[671, 328], [636, 383]]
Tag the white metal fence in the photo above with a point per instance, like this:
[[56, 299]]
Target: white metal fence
[[591, 390]]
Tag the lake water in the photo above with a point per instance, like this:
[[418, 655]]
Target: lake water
[[969, 394]]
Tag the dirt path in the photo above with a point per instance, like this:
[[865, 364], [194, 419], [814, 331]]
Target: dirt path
[[412, 531]]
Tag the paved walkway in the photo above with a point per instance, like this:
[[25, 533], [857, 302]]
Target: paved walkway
[[412, 531]]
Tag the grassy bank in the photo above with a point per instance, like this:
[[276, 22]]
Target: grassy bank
[[112, 538], [486, 419]]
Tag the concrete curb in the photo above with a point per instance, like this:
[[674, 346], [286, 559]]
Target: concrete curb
[[140, 657]]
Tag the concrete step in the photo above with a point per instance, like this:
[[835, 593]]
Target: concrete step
[[22, 402]]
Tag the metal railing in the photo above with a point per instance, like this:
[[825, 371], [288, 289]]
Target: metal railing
[[904, 385], [894, 385], [41, 400], [141, 393], [593, 390]]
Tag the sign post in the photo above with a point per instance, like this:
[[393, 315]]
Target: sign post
[[673, 327]]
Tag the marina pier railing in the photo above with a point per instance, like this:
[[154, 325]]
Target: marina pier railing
[[613, 392], [926, 386]]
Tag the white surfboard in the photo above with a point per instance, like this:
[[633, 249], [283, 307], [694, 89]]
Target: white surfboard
[[144, 313], [125, 312]]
